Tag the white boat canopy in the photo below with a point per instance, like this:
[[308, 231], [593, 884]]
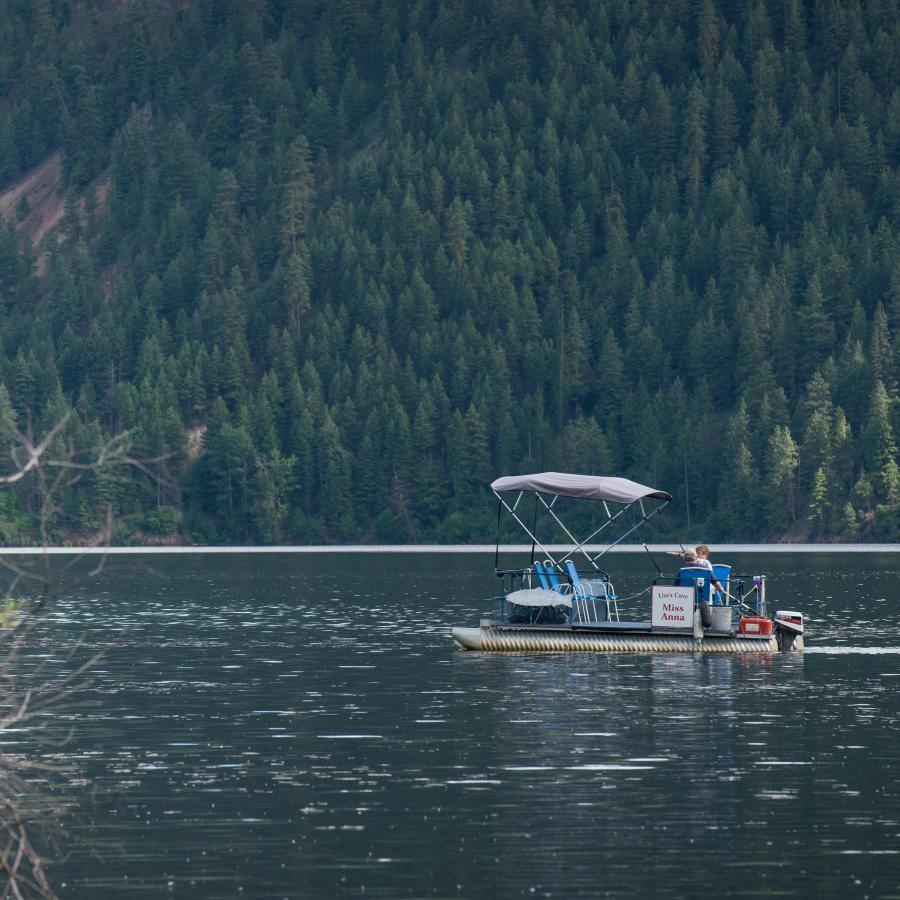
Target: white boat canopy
[[554, 485], [585, 487]]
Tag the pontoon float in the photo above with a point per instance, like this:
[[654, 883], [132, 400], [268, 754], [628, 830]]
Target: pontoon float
[[553, 605]]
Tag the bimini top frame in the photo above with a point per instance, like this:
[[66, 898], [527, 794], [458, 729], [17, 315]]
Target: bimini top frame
[[584, 487]]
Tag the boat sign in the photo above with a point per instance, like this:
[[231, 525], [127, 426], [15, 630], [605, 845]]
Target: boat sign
[[672, 607]]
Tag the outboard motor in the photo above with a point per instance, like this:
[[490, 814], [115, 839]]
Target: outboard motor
[[789, 629]]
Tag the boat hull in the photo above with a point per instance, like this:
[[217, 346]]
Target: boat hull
[[505, 639]]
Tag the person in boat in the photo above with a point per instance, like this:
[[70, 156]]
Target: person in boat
[[701, 560], [692, 561]]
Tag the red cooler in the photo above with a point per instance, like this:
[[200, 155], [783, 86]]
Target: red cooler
[[755, 625]]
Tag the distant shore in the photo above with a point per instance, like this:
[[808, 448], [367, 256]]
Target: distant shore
[[447, 548]]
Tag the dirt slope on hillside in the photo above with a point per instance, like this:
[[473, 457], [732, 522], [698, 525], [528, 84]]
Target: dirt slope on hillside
[[41, 190]]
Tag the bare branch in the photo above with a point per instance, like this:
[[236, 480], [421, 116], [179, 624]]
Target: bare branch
[[34, 453], [56, 465]]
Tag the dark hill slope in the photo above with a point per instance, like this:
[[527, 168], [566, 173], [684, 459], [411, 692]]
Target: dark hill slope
[[382, 252]]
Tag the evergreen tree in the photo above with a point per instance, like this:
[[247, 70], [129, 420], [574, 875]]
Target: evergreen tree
[[879, 448], [298, 194], [781, 464]]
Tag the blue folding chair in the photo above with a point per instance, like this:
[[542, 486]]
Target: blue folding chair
[[723, 576], [549, 579], [542, 577]]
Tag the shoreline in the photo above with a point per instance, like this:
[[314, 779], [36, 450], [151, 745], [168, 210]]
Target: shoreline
[[439, 548]]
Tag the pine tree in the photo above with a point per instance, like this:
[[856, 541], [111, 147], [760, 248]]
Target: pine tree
[[298, 194], [817, 331], [458, 230], [297, 289], [273, 481], [890, 478], [818, 499], [880, 349], [781, 464], [879, 447]]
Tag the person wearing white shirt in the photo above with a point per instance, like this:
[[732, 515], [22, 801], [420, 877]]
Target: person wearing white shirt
[[702, 561]]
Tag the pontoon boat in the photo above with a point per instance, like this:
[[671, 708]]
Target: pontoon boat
[[552, 604]]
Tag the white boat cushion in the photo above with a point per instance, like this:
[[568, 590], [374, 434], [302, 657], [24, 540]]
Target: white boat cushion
[[538, 597]]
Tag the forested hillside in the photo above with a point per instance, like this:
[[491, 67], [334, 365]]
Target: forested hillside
[[336, 264]]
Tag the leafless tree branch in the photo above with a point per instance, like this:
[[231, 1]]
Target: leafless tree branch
[[56, 465]]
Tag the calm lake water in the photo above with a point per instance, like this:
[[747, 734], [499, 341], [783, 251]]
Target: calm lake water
[[301, 726]]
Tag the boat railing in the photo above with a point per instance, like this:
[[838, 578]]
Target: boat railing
[[515, 579], [528, 577], [585, 597], [744, 592], [572, 597]]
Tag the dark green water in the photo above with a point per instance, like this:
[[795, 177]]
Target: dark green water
[[301, 726]]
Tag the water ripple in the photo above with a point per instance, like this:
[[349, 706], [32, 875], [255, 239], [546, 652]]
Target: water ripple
[[300, 725]]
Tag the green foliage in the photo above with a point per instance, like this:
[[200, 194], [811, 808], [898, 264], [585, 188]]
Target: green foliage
[[334, 283], [162, 521]]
